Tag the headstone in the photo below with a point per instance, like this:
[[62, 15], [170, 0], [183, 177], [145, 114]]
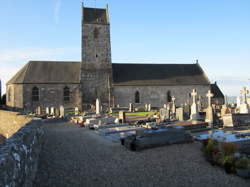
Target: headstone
[[146, 107], [61, 111], [244, 109], [180, 114], [173, 105], [52, 111], [38, 110], [149, 107], [209, 110], [194, 110], [186, 109], [76, 111], [47, 110], [131, 107], [57, 112], [199, 104], [238, 101], [164, 114], [98, 107], [122, 116], [225, 110], [165, 106]]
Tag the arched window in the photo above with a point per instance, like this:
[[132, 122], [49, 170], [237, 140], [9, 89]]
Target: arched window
[[66, 94], [9, 94], [169, 97], [137, 97], [35, 94]]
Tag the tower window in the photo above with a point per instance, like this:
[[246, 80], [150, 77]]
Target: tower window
[[96, 33], [35, 94], [137, 97], [66, 94]]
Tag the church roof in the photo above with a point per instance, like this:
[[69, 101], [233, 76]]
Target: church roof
[[95, 15], [216, 91], [159, 74], [47, 72]]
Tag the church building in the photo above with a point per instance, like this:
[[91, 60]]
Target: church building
[[79, 84]]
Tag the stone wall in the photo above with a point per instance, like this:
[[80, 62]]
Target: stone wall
[[11, 122], [51, 95], [14, 96], [19, 156], [157, 95]]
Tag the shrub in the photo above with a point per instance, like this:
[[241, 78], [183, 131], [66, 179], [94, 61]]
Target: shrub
[[242, 163], [211, 147], [228, 148]]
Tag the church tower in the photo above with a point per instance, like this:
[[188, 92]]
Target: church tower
[[96, 67]]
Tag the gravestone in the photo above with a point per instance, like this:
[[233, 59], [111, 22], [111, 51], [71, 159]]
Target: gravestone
[[122, 117], [149, 107], [180, 114], [209, 110], [76, 111], [173, 105], [61, 111], [57, 112], [47, 110], [186, 111], [199, 104], [164, 114], [244, 109], [225, 110], [165, 106], [238, 102], [146, 107], [38, 110], [194, 109], [131, 107], [52, 111], [98, 107]]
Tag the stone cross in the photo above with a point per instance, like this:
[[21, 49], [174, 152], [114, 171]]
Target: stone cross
[[244, 93], [209, 96], [194, 94]]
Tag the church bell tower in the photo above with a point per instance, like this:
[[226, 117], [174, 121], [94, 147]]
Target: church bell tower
[[96, 67]]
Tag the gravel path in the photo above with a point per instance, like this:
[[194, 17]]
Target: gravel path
[[78, 157]]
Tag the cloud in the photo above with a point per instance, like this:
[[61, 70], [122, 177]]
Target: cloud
[[57, 11]]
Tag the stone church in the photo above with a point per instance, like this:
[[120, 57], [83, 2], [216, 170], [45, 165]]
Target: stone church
[[78, 84]]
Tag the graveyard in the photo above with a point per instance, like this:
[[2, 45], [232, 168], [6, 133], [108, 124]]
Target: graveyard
[[218, 134]]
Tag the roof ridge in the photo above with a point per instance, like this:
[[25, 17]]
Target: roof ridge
[[25, 73]]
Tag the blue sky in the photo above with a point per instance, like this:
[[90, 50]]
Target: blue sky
[[217, 32]]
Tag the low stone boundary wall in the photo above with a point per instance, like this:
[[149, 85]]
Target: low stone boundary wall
[[19, 156]]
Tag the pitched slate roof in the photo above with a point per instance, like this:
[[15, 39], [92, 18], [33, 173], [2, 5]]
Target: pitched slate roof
[[216, 91], [159, 74], [47, 72], [95, 15]]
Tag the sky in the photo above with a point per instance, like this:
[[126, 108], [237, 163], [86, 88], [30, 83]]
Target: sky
[[216, 32]]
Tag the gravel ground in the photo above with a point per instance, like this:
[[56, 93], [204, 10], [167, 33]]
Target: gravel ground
[[78, 157]]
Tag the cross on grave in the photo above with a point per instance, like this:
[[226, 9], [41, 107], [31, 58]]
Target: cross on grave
[[194, 94], [209, 96], [244, 93], [173, 104]]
